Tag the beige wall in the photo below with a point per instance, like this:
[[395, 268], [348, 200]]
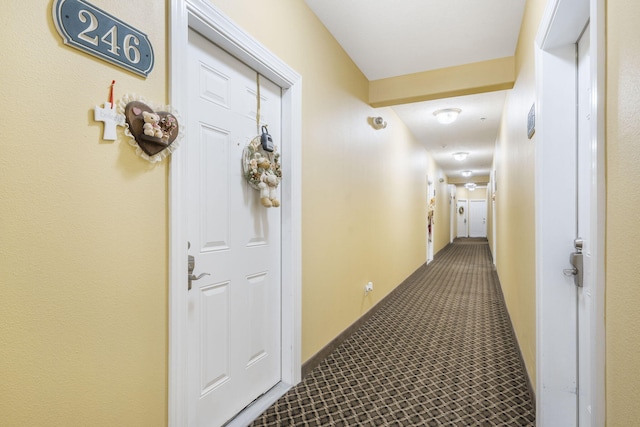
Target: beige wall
[[364, 191], [623, 201], [514, 161], [83, 252], [479, 193], [83, 301], [478, 77]]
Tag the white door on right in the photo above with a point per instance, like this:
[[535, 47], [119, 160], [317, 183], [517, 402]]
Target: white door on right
[[477, 218]]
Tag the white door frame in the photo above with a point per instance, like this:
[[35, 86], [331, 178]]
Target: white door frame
[[212, 24], [430, 242], [452, 210], [466, 214], [556, 379], [492, 199]]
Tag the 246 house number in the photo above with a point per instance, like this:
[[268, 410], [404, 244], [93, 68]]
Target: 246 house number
[[110, 38], [98, 33]]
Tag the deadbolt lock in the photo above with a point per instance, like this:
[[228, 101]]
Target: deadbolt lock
[[577, 264]]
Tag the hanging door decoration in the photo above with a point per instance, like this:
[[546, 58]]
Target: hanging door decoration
[[261, 162], [430, 212], [154, 130]]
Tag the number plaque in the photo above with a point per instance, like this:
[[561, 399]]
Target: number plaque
[[94, 31]]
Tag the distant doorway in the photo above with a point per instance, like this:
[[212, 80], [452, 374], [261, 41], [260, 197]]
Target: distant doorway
[[477, 218], [462, 215], [431, 202]]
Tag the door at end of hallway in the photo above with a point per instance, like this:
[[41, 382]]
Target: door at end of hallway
[[477, 218]]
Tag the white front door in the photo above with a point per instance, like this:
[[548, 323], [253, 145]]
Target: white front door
[[462, 218], [477, 218], [234, 314]]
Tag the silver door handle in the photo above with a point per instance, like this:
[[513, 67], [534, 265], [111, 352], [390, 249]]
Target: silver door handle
[[191, 265], [193, 277]]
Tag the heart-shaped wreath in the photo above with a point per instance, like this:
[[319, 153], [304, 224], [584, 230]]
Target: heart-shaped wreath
[[153, 130]]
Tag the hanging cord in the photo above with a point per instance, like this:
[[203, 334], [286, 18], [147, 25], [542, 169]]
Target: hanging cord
[[260, 129], [113, 106], [258, 102]]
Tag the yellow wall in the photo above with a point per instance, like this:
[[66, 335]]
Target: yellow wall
[[84, 225], [514, 161], [83, 270], [478, 77], [364, 191], [479, 193], [623, 201], [83, 301]]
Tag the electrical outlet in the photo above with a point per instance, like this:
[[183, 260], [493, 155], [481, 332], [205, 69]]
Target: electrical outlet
[[368, 288]]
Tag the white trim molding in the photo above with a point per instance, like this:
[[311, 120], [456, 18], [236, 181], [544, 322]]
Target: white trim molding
[[212, 24]]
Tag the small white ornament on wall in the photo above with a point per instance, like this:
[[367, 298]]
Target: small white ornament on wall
[[109, 116]]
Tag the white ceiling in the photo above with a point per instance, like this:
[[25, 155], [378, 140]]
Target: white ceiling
[[389, 38], [474, 132]]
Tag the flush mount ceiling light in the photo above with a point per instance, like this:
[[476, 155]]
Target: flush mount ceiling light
[[460, 156], [466, 174], [447, 115], [470, 186]]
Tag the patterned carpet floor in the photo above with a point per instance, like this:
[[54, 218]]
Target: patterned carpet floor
[[439, 352]]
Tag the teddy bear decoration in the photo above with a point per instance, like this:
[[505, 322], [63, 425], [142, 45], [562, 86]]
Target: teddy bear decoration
[[154, 131], [263, 172]]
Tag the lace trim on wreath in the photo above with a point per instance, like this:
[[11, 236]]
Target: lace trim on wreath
[[122, 103]]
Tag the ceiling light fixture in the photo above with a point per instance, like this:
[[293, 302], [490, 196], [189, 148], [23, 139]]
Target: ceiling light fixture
[[447, 115], [466, 174], [470, 186], [460, 156]]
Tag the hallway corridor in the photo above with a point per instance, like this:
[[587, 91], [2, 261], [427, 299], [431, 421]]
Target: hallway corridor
[[440, 352]]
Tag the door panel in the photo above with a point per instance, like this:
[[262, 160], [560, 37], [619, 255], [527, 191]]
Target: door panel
[[214, 303], [477, 218], [234, 312], [214, 197]]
